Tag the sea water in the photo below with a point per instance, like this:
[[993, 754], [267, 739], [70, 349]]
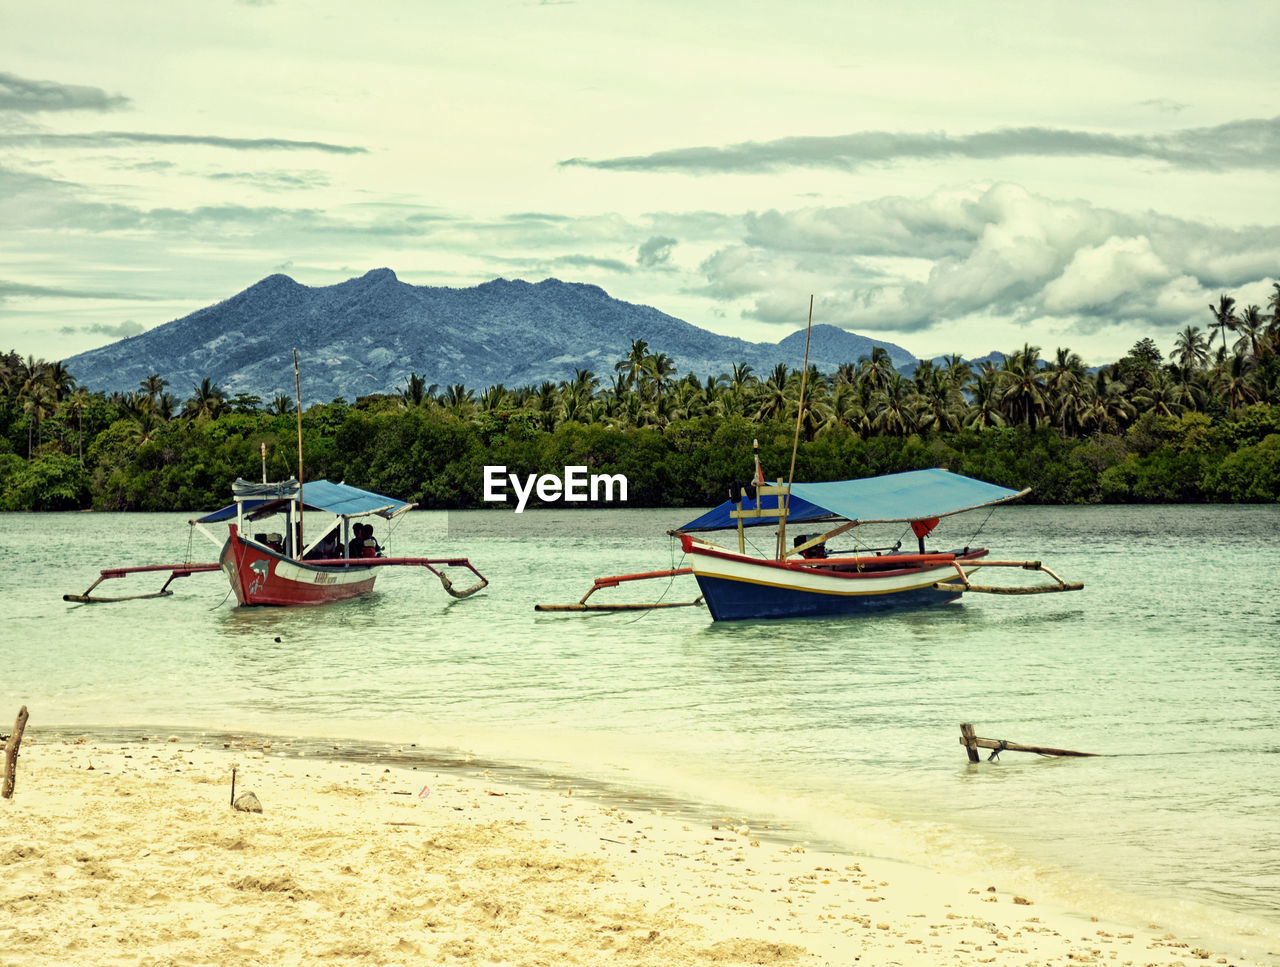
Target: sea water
[[837, 732]]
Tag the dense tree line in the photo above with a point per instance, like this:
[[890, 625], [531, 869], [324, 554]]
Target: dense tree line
[[1203, 425]]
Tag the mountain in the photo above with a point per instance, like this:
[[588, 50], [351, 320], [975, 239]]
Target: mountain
[[366, 335]]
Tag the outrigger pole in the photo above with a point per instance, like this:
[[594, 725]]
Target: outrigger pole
[[613, 582], [177, 571]]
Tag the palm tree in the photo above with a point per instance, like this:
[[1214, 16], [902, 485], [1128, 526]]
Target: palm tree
[[61, 380], [772, 400], [657, 372], [153, 386], [958, 371], [1191, 349], [36, 396], [1111, 410], [416, 392], [1224, 319], [940, 405], [741, 376], [1024, 395], [76, 405], [1163, 395], [282, 405], [494, 398], [459, 400], [1234, 386], [207, 400], [985, 408], [894, 407], [1252, 329], [875, 369], [631, 366]]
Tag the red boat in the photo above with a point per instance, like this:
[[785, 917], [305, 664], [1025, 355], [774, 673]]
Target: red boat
[[280, 567]]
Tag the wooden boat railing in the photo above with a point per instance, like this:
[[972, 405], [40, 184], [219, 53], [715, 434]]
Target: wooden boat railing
[[965, 585], [613, 581]]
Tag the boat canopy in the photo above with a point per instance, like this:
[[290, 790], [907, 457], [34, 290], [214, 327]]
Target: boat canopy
[[914, 495], [263, 500]]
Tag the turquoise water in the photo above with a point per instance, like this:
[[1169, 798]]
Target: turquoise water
[[832, 731]]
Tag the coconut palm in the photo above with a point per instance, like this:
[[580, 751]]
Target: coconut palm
[[876, 368], [894, 407], [1234, 386], [494, 398], [1163, 395], [416, 393], [1111, 410], [1024, 391], [1224, 320], [36, 396], [631, 366], [1252, 328], [656, 374], [985, 399], [153, 386], [207, 400], [1191, 349]]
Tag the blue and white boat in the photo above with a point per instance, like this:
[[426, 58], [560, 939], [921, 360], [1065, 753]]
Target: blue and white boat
[[804, 580]]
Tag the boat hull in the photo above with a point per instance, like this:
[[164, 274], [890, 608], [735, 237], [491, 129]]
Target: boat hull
[[737, 587], [260, 577]]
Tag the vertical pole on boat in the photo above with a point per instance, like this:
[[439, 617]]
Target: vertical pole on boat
[[736, 494], [297, 389], [785, 503]]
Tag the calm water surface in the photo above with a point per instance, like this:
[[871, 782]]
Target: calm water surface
[[839, 732]]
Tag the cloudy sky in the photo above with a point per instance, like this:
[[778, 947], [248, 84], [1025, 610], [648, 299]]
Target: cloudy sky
[[950, 177]]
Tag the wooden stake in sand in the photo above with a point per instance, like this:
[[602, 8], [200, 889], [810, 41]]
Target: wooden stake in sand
[[11, 753]]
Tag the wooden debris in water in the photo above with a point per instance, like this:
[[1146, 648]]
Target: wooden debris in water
[[972, 743]]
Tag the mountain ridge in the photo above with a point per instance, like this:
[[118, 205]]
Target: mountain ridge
[[366, 335]]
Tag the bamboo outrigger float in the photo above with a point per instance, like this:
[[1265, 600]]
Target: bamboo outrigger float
[[175, 571]]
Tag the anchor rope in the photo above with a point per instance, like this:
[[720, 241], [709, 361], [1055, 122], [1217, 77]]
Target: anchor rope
[[670, 581]]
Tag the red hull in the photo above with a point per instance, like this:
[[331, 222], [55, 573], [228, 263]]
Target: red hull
[[261, 577]]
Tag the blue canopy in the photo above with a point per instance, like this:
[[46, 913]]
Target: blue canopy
[[334, 498], [914, 495]]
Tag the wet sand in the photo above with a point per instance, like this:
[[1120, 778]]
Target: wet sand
[[130, 853]]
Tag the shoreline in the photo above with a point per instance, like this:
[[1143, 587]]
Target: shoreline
[[120, 849]]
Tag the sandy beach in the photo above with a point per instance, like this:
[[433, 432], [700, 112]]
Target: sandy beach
[[132, 854]]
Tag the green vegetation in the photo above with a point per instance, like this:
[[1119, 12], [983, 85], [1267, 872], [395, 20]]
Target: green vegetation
[[1202, 426]]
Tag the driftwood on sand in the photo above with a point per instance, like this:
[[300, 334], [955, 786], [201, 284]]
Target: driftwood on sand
[[11, 754]]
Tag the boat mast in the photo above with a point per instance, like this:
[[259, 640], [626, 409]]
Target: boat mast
[[785, 504], [297, 389]]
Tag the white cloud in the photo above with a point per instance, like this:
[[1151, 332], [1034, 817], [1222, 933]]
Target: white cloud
[[1099, 276]]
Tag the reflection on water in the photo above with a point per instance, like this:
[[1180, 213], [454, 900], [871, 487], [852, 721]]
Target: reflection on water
[[847, 730]]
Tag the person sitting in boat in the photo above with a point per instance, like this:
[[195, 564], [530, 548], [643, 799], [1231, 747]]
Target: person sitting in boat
[[355, 546], [364, 544], [330, 546], [371, 546]]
